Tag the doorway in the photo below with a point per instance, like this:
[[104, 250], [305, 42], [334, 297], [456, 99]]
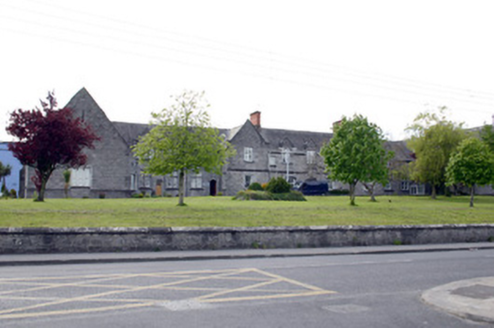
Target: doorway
[[212, 188]]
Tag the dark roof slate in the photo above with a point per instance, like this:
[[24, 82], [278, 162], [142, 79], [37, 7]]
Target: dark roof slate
[[301, 140], [402, 153]]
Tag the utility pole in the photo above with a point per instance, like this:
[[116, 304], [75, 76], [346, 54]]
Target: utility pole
[[286, 153]]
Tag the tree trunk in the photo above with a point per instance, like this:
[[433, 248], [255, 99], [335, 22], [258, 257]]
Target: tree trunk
[[352, 194], [472, 192], [181, 187], [433, 195], [41, 194]]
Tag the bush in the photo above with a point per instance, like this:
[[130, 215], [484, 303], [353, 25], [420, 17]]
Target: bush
[[102, 195], [278, 186], [264, 195], [13, 193], [256, 186], [339, 192]]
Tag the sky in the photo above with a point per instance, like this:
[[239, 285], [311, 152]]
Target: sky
[[303, 64]]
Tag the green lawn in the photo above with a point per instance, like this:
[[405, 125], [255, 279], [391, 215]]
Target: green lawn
[[224, 212]]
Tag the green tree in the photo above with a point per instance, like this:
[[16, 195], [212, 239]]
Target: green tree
[[472, 164], [487, 136], [182, 140], [356, 154], [5, 171], [433, 140]]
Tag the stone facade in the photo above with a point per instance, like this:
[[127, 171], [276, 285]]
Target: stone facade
[[262, 154]]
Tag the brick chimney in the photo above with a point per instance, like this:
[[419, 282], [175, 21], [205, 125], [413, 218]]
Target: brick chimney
[[255, 119]]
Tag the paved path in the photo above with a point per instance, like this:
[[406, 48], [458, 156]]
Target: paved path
[[472, 299]]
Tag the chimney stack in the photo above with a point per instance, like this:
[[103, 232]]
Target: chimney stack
[[255, 119]]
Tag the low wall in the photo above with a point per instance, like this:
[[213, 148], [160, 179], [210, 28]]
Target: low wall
[[79, 240]]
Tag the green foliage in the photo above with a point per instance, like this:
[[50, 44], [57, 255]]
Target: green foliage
[[264, 195], [339, 192], [472, 164], [255, 186], [278, 186], [5, 171], [356, 153], [487, 136], [182, 140], [433, 140]]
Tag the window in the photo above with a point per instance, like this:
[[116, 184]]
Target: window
[[388, 186], [147, 181], [132, 182], [248, 154], [172, 181], [311, 157], [247, 181], [417, 189], [405, 185], [272, 160], [81, 177], [196, 181]]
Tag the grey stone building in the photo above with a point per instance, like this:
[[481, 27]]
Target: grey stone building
[[112, 171]]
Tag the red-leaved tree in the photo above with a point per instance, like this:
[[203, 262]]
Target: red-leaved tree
[[49, 138]]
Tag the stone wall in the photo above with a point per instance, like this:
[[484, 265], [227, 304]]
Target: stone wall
[[71, 240]]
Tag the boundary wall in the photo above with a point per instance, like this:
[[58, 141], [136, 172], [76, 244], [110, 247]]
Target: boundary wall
[[84, 240]]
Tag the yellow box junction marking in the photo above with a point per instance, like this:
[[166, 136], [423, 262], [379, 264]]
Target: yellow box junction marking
[[214, 287]]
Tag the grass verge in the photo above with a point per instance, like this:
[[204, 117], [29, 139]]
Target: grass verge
[[224, 212]]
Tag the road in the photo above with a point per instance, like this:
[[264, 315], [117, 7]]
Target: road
[[322, 291]]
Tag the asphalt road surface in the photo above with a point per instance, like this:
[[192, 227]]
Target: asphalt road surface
[[321, 291]]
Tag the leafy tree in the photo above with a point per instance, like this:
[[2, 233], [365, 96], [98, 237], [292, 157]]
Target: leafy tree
[[182, 140], [433, 140], [472, 164], [356, 153], [49, 138], [487, 136], [5, 171]]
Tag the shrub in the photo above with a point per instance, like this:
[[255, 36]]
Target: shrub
[[278, 186], [102, 195], [338, 192], [252, 195], [255, 186], [264, 195], [13, 193]]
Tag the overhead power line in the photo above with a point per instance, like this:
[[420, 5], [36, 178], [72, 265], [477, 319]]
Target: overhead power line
[[266, 62]]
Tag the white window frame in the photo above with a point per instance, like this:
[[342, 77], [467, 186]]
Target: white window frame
[[133, 182], [81, 177], [272, 160], [196, 181], [146, 181], [311, 157], [405, 185], [248, 154]]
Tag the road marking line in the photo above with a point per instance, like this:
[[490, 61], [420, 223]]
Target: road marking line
[[76, 311], [266, 297], [140, 288], [231, 291]]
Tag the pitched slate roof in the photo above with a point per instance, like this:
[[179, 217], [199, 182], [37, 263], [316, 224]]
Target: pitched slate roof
[[402, 153], [301, 140], [130, 132]]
